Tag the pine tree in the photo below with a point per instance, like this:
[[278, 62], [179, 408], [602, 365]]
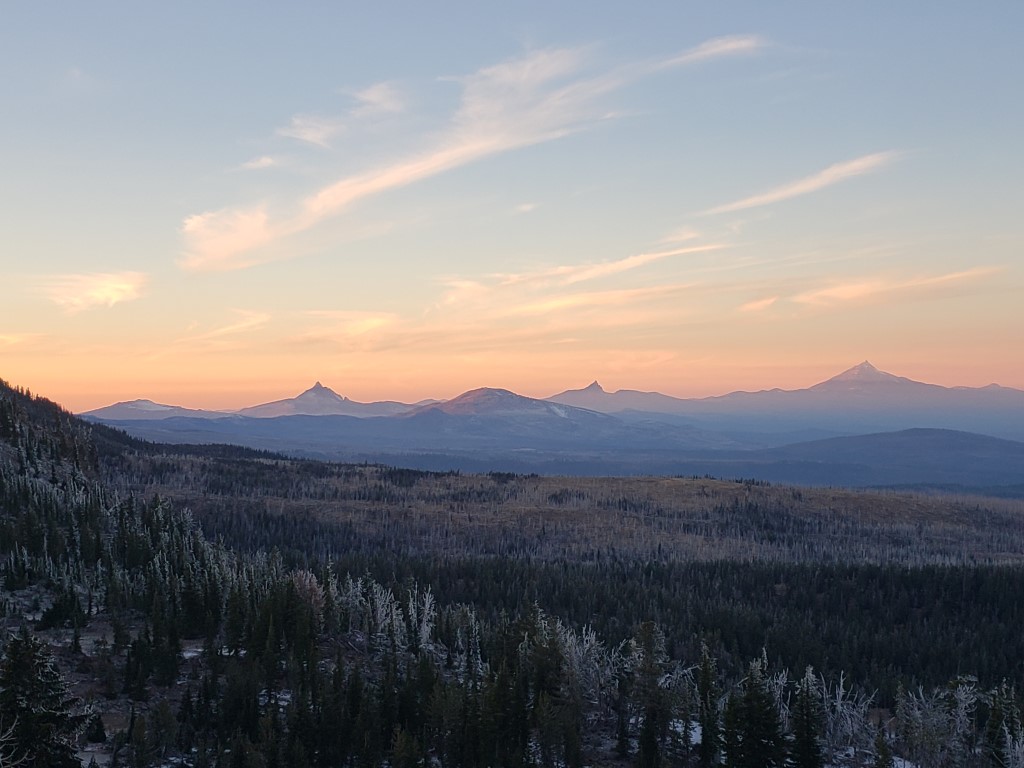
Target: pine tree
[[753, 731], [406, 751], [731, 744], [10, 756], [707, 708], [35, 699], [652, 699], [806, 723], [621, 706], [1004, 721], [883, 753]]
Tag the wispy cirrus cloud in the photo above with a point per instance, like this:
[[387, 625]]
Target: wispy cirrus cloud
[[589, 299], [606, 269], [313, 129], [354, 322], [680, 235], [830, 176], [259, 163], [504, 107], [483, 326], [13, 339], [318, 130], [564, 302], [77, 292], [865, 290], [578, 273], [244, 321], [759, 305], [880, 288], [539, 97], [226, 239], [378, 99], [354, 330], [716, 48], [568, 298], [500, 291]]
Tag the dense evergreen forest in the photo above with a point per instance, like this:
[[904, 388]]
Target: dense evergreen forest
[[209, 606]]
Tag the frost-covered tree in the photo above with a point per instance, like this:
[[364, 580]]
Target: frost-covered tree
[[708, 716], [845, 711], [10, 756], [883, 753], [34, 698], [753, 727], [935, 727], [805, 719], [1003, 726]]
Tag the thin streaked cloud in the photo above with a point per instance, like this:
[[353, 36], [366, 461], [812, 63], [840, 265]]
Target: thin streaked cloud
[[577, 273], [77, 292], [539, 97], [482, 326], [532, 289], [13, 339], [593, 299], [312, 129], [225, 239], [378, 99], [245, 321], [680, 235], [353, 322], [730, 45], [606, 269], [830, 176], [758, 305], [874, 288], [494, 307], [258, 163]]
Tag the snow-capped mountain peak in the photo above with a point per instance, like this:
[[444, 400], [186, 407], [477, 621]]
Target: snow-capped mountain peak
[[320, 392], [863, 373]]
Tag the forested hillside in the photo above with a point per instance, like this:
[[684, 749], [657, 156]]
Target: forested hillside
[[222, 607]]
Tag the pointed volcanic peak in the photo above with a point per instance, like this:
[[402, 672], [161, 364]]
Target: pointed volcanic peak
[[592, 397], [137, 410], [489, 401], [862, 387], [593, 391], [319, 400], [595, 398], [865, 375], [319, 394]]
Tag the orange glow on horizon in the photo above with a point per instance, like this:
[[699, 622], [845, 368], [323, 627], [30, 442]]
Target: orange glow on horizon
[[96, 388]]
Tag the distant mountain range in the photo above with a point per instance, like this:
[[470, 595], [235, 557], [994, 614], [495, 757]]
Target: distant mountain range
[[147, 410], [318, 400], [861, 427], [860, 400]]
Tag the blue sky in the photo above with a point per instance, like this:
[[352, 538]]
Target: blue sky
[[214, 205]]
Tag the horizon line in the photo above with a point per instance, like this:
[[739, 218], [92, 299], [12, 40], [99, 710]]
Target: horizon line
[[461, 393]]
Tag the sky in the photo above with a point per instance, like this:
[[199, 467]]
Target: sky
[[217, 204]]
